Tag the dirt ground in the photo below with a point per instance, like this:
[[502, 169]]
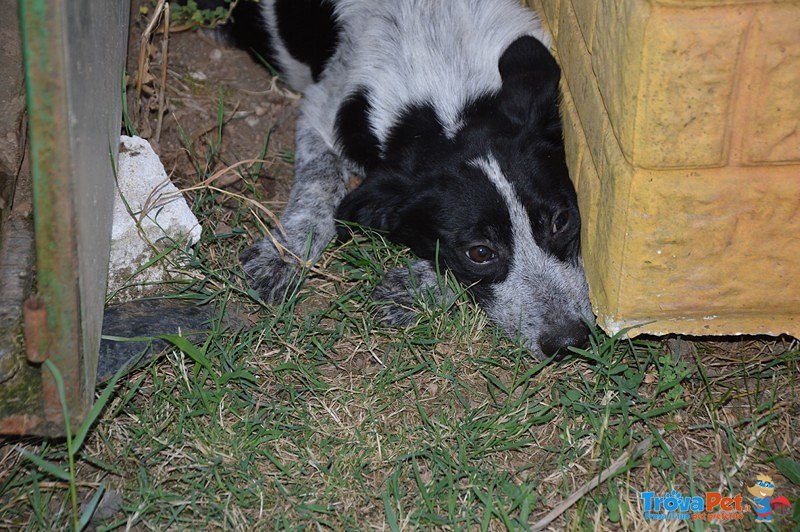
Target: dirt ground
[[203, 77]]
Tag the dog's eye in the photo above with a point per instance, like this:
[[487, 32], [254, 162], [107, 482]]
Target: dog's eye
[[480, 254], [560, 221]]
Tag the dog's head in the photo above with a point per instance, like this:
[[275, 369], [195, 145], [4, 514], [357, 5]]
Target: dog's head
[[494, 201]]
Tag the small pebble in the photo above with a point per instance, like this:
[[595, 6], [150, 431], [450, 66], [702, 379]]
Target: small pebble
[[260, 111], [252, 121], [199, 76], [110, 504], [222, 229], [216, 54]]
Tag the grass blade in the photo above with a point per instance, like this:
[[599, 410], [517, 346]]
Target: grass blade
[[73, 488], [391, 515], [98, 406], [48, 467], [88, 512], [190, 349]]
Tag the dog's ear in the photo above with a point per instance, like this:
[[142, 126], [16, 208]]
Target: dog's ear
[[530, 92], [528, 57], [388, 201]]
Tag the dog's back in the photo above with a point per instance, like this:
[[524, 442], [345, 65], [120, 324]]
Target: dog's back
[[394, 50], [296, 38]]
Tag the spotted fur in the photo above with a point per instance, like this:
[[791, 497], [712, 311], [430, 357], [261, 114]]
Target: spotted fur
[[448, 112]]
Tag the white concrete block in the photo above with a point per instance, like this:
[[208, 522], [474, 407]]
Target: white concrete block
[[153, 216]]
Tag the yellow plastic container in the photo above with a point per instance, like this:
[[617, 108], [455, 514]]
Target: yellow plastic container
[[682, 124]]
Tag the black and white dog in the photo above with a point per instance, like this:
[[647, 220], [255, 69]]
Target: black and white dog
[[448, 111]]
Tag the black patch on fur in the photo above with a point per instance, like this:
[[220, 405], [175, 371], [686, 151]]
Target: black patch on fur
[[309, 30], [417, 132], [394, 175], [440, 206], [527, 56], [246, 29], [357, 141], [521, 126]]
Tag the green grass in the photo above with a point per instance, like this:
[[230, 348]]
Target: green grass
[[191, 15], [311, 414], [315, 415]]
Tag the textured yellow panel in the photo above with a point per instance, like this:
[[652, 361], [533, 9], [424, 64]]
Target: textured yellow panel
[[575, 63], [585, 12], [616, 61], [573, 136], [548, 9], [602, 204], [712, 251], [689, 66], [681, 125], [710, 238], [572, 128], [773, 131]]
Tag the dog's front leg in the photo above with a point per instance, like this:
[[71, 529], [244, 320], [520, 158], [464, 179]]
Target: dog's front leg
[[274, 265]]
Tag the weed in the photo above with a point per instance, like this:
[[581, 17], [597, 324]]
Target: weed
[[73, 444], [190, 14]]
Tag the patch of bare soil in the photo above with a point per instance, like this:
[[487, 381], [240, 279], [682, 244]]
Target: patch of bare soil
[[191, 85]]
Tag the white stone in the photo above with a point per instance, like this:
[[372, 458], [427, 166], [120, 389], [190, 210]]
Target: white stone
[[153, 216]]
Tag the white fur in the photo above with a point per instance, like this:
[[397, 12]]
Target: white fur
[[558, 287]]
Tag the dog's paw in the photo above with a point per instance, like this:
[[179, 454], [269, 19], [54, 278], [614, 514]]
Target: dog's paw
[[270, 274], [402, 290], [395, 303]]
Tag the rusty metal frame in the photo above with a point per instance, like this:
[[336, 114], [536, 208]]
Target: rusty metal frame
[[54, 218], [73, 54]]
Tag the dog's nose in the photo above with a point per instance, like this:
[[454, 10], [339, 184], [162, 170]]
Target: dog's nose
[[555, 340]]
